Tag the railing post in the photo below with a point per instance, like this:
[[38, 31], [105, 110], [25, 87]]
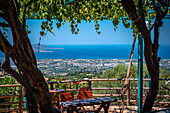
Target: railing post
[[149, 82], [128, 94], [51, 86], [140, 73], [24, 95], [89, 85], [21, 100]]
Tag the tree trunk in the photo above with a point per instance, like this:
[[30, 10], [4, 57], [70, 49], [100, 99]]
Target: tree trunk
[[153, 90], [150, 52], [22, 55], [31, 103]]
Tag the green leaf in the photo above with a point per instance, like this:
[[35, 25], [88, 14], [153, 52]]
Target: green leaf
[[58, 25], [97, 28], [29, 32], [42, 33]]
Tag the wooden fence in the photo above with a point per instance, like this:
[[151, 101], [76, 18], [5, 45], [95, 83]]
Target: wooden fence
[[128, 94], [89, 81], [20, 95]]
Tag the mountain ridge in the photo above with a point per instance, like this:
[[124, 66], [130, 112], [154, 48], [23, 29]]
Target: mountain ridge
[[42, 48]]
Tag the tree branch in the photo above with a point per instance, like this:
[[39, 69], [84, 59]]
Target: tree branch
[[4, 25], [28, 47], [156, 44], [24, 19], [18, 77], [152, 26], [130, 8], [5, 41], [19, 36], [7, 49], [25, 7], [158, 21], [4, 16], [141, 10], [18, 8], [167, 5]]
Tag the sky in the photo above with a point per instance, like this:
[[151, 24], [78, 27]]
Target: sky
[[87, 34]]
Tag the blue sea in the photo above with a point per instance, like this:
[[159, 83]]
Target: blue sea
[[94, 52]]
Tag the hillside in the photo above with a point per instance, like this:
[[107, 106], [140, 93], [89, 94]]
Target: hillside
[[42, 48]]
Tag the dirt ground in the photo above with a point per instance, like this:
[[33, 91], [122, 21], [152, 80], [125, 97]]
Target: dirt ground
[[127, 109], [115, 109]]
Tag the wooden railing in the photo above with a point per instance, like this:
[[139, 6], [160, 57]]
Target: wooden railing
[[20, 103], [128, 94], [89, 81]]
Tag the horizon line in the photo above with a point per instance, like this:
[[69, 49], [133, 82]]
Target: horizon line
[[92, 44]]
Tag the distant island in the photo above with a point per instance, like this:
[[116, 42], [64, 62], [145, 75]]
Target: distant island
[[42, 48]]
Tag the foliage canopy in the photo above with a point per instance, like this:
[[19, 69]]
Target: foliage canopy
[[74, 11]]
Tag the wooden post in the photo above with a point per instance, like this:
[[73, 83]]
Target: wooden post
[[21, 100], [51, 86], [128, 94], [89, 85]]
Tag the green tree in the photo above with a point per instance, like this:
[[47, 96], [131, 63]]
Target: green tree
[[15, 13], [120, 71], [8, 91]]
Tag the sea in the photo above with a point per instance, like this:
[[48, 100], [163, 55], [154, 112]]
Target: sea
[[94, 52]]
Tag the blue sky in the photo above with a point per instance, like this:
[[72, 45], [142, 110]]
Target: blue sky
[[88, 35]]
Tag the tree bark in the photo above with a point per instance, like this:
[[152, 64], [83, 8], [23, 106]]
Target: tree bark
[[150, 50], [31, 103], [22, 54], [153, 90]]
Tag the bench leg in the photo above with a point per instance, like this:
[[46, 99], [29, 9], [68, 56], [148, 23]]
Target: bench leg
[[106, 107], [98, 110]]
